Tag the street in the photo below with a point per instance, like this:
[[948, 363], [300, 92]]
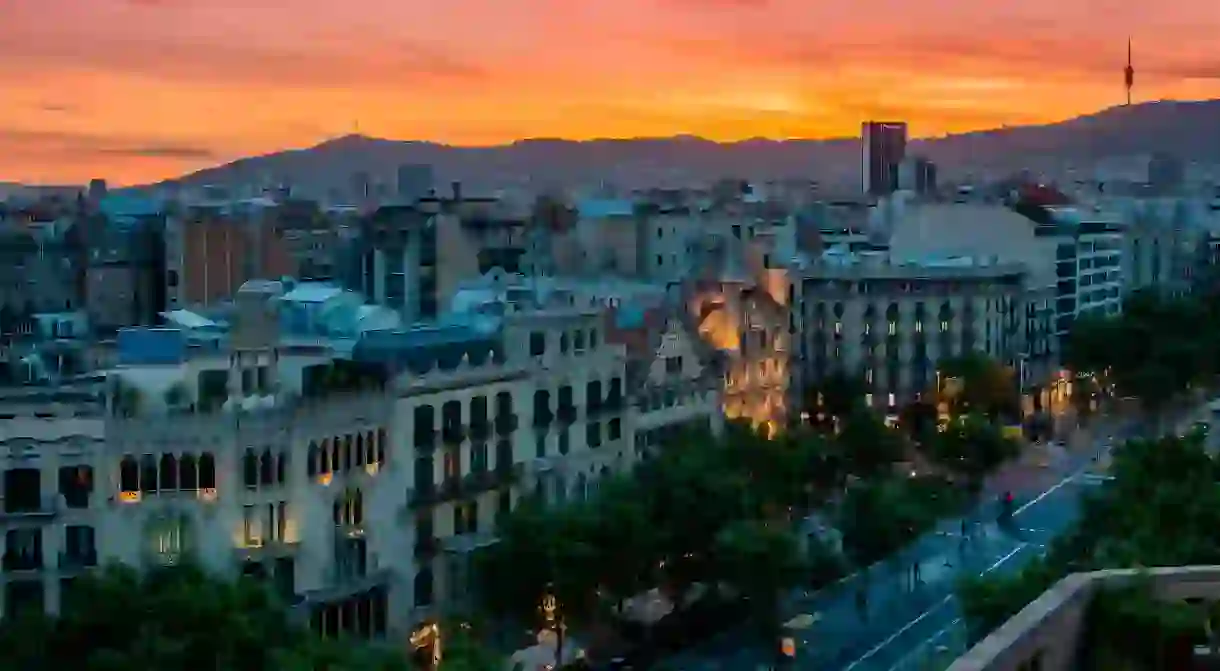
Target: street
[[905, 620]]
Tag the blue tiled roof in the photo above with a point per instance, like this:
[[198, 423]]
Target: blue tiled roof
[[630, 317], [421, 350], [598, 208]]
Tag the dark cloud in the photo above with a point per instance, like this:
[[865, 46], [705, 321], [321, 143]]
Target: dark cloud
[[160, 151], [57, 108], [19, 140]]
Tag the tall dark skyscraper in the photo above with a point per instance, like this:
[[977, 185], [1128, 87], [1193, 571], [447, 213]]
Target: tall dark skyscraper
[[884, 145]]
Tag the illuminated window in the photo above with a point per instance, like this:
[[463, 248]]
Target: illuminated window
[[944, 325], [838, 327], [919, 327], [868, 328], [893, 328], [868, 399], [893, 400], [868, 375]]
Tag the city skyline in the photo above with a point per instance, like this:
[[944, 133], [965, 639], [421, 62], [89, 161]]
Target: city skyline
[[137, 90]]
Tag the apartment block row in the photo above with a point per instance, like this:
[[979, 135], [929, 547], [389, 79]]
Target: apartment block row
[[356, 471]]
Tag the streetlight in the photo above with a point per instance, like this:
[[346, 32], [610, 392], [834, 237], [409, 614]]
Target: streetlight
[[552, 619], [426, 645]]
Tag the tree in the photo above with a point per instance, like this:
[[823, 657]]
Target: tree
[[759, 560], [1160, 508], [983, 385], [874, 521], [839, 394], [870, 448], [177, 617], [621, 527], [971, 447], [920, 420]]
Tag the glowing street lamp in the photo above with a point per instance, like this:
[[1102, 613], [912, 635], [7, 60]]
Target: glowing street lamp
[[552, 619], [426, 645]]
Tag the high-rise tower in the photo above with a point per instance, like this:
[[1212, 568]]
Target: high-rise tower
[[1129, 72]]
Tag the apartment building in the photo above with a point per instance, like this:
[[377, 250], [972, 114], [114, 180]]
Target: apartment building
[[891, 321], [414, 257], [354, 464], [212, 248]]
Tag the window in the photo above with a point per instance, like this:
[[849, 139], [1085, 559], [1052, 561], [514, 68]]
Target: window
[[76, 484], [673, 365], [615, 429], [537, 343], [425, 416], [249, 469], [423, 587]]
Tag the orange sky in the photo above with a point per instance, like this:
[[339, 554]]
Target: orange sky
[[136, 90]]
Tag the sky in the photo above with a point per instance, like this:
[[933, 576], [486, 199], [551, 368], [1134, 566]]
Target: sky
[[138, 90]]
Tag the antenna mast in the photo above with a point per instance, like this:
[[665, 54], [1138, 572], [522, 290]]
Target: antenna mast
[[1129, 72]]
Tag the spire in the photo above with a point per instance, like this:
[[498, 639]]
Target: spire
[[1129, 72]]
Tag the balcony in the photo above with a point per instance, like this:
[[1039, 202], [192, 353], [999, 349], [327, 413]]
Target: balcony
[[77, 561], [451, 488], [543, 418], [425, 438], [567, 414], [506, 423], [477, 482], [453, 433], [1052, 631], [426, 547], [468, 542], [480, 429], [508, 474], [423, 496], [17, 561], [33, 509]]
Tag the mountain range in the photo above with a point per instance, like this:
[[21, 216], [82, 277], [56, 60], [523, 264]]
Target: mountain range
[[1123, 136]]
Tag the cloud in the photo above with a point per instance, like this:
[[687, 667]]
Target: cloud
[[304, 65], [57, 107], [717, 4], [21, 141]]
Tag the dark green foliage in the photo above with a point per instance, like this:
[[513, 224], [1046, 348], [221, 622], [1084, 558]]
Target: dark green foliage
[[175, 618], [1161, 508]]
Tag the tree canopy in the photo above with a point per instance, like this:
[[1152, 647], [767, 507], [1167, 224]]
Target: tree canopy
[[1155, 349], [177, 618], [1160, 509]]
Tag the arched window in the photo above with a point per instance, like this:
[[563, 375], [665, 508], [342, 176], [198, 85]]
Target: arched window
[[207, 471], [423, 587], [313, 458], [266, 468], [347, 452], [324, 457], [148, 474], [281, 468], [188, 473], [370, 448], [169, 472], [381, 446], [336, 464], [249, 469], [357, 499], [129, 475], [359, 455]]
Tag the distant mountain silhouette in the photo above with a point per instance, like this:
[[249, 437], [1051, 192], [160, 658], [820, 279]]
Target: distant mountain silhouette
[[1189, 130]]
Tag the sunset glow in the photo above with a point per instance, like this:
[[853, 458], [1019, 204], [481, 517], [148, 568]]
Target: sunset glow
[[135, 90]]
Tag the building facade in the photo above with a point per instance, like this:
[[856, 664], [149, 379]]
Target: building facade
[[891, 323]]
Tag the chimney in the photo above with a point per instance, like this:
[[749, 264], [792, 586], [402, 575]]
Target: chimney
[[457, 191]]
